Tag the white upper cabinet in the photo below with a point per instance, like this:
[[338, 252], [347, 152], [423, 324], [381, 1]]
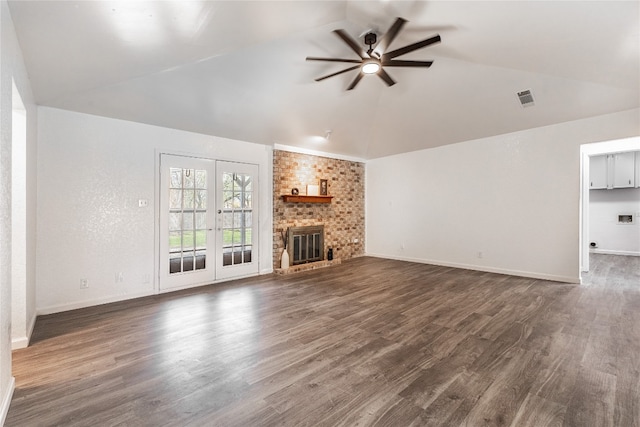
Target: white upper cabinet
[[619, 170], [623, 170], [598, 172], [637, 169]]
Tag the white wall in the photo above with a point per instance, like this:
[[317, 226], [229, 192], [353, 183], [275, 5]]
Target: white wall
[[604, 208], [91, 172], [19, 327], [12, 69], [512, 199]]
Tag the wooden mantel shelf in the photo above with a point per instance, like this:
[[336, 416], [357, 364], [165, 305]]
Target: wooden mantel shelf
[[290, 198]]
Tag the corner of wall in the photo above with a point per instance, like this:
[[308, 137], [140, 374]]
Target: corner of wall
[[23, 342], [6, 401]]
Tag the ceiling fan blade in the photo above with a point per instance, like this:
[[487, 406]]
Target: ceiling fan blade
[[386, 77], [398, 63], [339, 72], [352, 61], [389, 36], [356, 80], [410, 48], [351, 42]]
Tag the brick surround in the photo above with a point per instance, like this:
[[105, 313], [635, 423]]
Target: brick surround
[[343, 218]]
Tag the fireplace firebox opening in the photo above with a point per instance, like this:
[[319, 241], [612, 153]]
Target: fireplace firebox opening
[[306, 244]]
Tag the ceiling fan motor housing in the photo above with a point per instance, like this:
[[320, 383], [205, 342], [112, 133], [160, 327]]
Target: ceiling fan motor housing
[[370, 39]]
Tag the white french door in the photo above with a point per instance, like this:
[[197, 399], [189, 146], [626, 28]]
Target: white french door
[[237, 222], [186, 221], [208, 221]]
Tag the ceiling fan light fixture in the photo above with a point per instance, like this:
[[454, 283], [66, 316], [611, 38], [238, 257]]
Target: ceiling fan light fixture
[[370, 67], [376, 60]]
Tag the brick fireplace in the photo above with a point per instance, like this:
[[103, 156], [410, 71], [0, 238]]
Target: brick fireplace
[[342, 219]]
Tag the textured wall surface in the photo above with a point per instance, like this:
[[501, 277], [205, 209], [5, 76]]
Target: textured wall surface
[[92, 171], [508, 204], [343, 218], [22, 317]]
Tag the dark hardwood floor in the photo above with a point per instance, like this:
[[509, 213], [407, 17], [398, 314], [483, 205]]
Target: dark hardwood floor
[[367, 342]]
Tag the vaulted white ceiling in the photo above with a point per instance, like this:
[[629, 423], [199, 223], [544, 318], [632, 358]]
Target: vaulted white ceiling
[[237, 69]]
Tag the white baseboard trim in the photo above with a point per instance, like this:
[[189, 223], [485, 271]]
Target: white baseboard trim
[[184, 287], [18, 343], [31, 326], [41, 311], [209, 283], [611, 252], [92, 303], [528, 274], [23, 342], [6, 401]]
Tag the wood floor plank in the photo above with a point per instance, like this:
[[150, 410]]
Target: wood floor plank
[[453, 405], [538, 412], [627, 407], [367, 342], [593, 400], [556, 378], [501, 401]]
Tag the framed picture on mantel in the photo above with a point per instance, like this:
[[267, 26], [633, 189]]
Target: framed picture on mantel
[[324, 187]]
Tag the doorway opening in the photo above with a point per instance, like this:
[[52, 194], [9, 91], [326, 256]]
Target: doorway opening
[[607, 196]]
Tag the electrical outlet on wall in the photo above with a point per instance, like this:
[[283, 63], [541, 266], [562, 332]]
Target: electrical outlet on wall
[[119, 277], [84, 283]]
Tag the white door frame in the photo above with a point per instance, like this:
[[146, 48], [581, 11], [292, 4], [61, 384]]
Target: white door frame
[[586, 151]]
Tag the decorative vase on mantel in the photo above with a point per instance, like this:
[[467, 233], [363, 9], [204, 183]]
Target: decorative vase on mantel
[[284, 260]]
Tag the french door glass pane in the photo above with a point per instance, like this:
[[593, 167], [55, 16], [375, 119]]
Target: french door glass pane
[[201, 220], [201, 179], [187, 223], [188, 178], [176, 178], [236, 218], [175, 221], [187, 220], [175, 199], [201, 199]]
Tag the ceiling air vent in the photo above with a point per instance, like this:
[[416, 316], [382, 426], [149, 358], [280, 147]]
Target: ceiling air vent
[[526, 98]]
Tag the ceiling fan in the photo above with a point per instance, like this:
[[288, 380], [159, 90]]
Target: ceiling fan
[[375, 59]]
